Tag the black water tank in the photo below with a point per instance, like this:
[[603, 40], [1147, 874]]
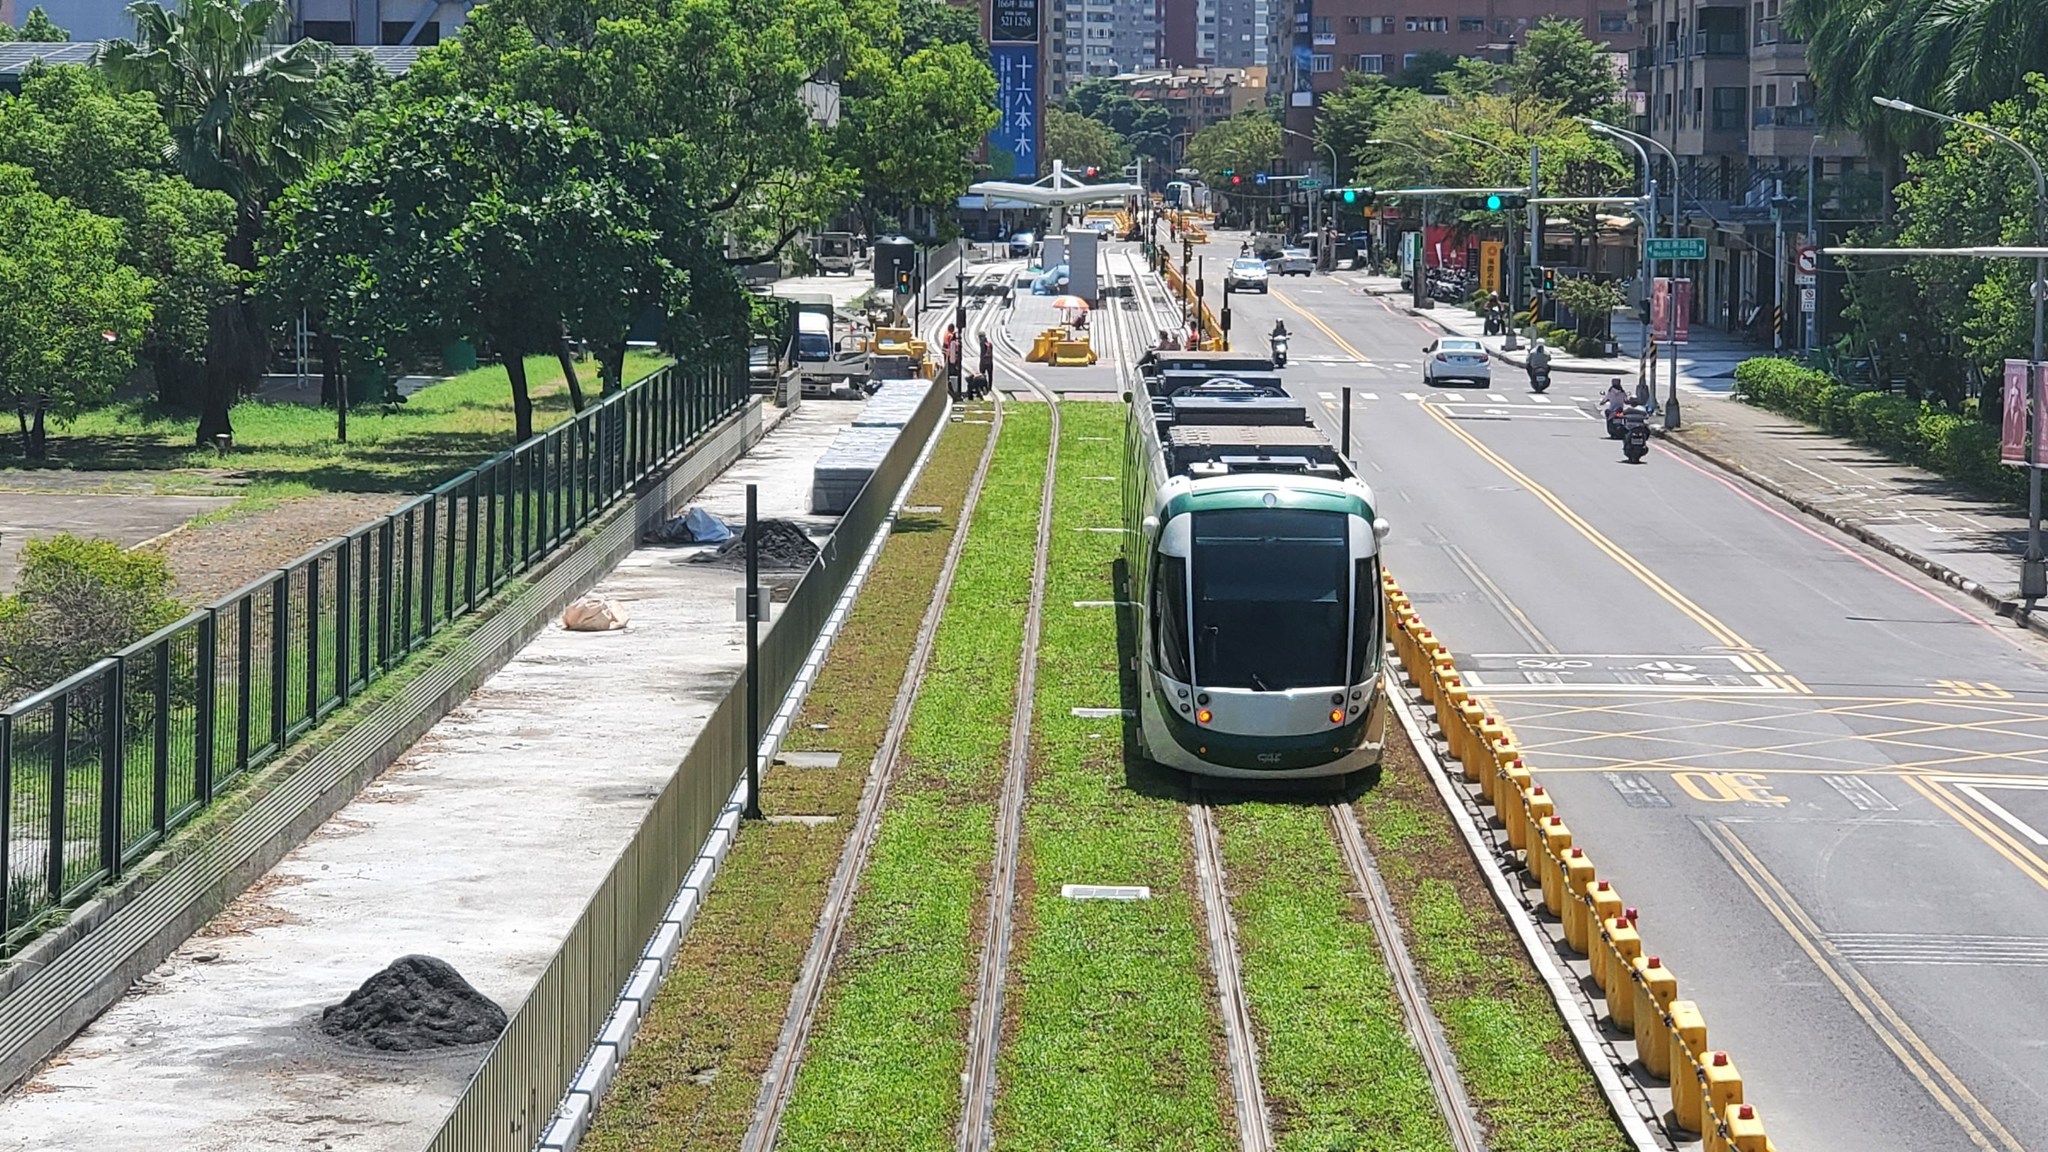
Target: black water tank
[[894, 254]]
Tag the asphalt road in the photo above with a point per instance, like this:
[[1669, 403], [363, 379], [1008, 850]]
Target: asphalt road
[[1821, 777]]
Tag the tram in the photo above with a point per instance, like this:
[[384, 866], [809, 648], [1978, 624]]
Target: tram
[[1252, 568]]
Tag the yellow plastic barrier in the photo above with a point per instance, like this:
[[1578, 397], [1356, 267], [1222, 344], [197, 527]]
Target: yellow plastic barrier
[[1557, 839], [1688, 1046], [1073, 353], [1578, 877], [1655, 989], [1611, 971]]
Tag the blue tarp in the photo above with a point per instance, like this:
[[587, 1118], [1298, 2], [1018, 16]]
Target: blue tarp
[[1052, 283]]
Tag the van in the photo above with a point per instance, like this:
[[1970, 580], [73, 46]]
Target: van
[[813, 337], [835, 252]]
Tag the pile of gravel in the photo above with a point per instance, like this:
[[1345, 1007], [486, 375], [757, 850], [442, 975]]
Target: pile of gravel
[[417, 1004], [784, 546]]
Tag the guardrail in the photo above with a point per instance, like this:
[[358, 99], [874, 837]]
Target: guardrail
[[97, 770], [509, 1103], [1640, 993], [1212, 332]]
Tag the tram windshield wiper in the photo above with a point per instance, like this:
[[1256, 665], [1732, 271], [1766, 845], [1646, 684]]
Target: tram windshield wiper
[[1258, 685]]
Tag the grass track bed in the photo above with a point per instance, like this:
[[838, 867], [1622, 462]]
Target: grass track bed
[[1334, 1054], [696, 1068], [1525, 1077], [884, 1062], [1111, 1040]]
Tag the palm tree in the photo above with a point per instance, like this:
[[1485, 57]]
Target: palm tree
[[1950, 55], [246, 118]]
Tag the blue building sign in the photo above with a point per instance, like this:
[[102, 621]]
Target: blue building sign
[[1013, 146]]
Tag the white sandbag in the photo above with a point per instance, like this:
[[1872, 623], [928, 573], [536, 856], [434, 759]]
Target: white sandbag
[[593, 614]]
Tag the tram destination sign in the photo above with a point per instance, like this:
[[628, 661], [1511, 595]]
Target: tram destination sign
[[1013, 21], [1677, 248]]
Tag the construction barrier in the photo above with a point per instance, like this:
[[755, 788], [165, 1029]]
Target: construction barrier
[[1639, 992], [1212, 332]]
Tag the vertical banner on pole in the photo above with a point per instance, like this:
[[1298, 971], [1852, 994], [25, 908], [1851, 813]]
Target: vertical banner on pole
[[1489, 265], [1670, 301], [1014, 39], [2012, 441]]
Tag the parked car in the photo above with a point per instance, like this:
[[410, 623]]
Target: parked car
[[1246, 274], [1455, 358], [1294, 262], [1020, 244]]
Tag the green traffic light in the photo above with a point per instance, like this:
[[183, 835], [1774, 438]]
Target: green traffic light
[[1351, 195], [1493, 203]]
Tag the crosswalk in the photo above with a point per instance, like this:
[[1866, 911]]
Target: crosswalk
[[1465, 398]]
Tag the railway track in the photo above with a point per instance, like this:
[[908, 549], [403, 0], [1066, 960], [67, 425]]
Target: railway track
[[1240, 1035], [780, 1078]]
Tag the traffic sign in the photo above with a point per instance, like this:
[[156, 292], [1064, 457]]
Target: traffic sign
[[1806, 299], [1809, 260], [1260, 179], [1311, 183], [1803, 279], [1677, 248]]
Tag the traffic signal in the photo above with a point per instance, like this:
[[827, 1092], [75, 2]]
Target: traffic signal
[[1092, 170], [903, 283], [1534, 277], [1356, 197], [1550, 279], [1230, 174], [1235, 178], [1492, 202]]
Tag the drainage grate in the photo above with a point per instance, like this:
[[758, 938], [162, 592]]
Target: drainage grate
[[1099, 713], [1106, 891]]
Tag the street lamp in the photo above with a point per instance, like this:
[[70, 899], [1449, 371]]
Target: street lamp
[[1649, 229], [1510, 344], [1323, 144], [2033, 568], [1671, 296]]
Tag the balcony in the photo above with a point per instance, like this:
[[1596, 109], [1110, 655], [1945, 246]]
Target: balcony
[[1785, 131], [1773, 45], [1718, 44], [1325, 39], [1783, 116], [1641, 58]]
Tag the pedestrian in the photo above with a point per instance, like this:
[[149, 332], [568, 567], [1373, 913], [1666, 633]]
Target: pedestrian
[[953, 381], [988, 364]]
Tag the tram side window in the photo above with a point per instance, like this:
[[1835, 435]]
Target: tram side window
[[1365, 631], [1170, 615]]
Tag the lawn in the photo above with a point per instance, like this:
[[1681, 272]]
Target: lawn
[[285, 449]]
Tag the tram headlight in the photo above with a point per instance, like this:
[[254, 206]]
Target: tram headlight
[[1202, 717], [1336, 715]]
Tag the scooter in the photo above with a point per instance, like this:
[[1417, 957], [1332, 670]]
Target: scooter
[[1539, 379], [1635, 437], [1617, 424], [1280, 351]]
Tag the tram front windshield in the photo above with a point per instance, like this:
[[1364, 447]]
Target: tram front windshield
[[1272, 591]]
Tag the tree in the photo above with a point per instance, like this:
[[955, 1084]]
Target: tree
[[457, 218], [1246, 143], [1955, 56], [1559, 63], [1081, 142], [1426, 71], [910, 127], [1145, 126], [104, 153], [246, 117], [935, 23], [38, 28], [75, 314], [1352, 115]]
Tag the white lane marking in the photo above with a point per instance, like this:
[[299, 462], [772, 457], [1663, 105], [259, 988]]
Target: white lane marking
[[1410, 396], [1368, 395], [1540, 399], [1496, 397], [1326, 395]]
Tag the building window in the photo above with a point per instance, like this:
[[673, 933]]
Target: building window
[[1471, 23], [394, 33], [1372, 64], [1320, 62], [1614, 21], [1727, 109], [1408, 59], [1429, 23], [331, 31], [1323, 27]]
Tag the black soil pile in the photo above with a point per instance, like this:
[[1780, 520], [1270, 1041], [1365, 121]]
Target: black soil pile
[[415, 1005], [784, 546]]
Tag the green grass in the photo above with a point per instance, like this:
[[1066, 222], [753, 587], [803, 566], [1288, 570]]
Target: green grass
[[439, 432], [1527, 1080], [884, 1062], [1112, 1040], [695, 1070], [1338, 1066]]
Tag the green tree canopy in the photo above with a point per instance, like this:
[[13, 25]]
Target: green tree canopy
[[935, 23], [75, 314], [105, 153], [1352, 115], [246, 117], [909, 128], [1246, 143], [1559, 63], [1080, 141], [37, 28], [1425, 73], [1953, 56], [1144, 126]]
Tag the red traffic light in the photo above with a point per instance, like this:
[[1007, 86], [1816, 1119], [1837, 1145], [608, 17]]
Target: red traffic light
[[1236, 179], [1091, 171]]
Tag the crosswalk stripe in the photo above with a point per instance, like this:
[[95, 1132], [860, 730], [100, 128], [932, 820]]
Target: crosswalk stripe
[[1496, 397], [1368, 395], [1325, 396], [1410, 396], [1540, 399]]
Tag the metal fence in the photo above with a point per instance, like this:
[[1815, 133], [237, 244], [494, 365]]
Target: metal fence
[[95, 771], [507, 1106]]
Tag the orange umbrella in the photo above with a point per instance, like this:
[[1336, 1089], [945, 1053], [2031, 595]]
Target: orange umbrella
[[1069, 303]]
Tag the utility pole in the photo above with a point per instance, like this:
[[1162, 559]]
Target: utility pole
[[752, 595], [1535, 218], [1813, 242]]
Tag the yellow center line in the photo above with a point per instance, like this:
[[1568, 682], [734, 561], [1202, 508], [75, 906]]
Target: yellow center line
[[1980, 826], [1722, 634], [1919, 1060]]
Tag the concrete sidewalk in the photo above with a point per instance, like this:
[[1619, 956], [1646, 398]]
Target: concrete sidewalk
[[481, 846]]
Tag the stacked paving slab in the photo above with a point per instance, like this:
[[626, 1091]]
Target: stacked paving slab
[[845, 468]]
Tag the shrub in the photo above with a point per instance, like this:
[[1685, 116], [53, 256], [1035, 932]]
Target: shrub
[[74, 602]]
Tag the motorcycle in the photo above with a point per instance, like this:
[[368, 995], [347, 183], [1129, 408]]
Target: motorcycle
[[1635, 437], [1617, 423], [1280, 351], [1539, 379]]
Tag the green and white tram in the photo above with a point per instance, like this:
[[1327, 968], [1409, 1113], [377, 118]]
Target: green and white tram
[[1252, 560]]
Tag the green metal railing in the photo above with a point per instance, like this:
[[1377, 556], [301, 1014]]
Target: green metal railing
[[95, 771]]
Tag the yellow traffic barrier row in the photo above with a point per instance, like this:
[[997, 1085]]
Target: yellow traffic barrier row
[[1176, 285], [1639, 991], [1062, 348]]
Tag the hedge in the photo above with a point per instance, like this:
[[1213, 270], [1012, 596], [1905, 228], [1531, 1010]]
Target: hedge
[[1957, 447]]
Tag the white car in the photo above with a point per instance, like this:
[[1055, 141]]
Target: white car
[[1455, 358], [1246, 274], [1294, 262]]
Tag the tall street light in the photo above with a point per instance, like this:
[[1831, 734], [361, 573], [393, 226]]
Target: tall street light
[[2033, 568], [1325, 146], [1517, 157], [1649, 273], [1428, 163], [1671, 295]]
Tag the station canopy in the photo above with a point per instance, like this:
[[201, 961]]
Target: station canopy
[[1055, 190]]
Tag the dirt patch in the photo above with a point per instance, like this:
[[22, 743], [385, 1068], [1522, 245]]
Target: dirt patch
[[416, 1004], [252, 910], [214, 558]]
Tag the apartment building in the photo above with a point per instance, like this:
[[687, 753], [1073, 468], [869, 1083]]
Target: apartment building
[[1093, 38], [1721, 85], [1329, 38], [1195, 98]]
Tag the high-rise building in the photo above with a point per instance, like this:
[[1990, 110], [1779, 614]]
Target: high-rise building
[[366, 23], [1103, 38], [1243, 32], [1726, 90]]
